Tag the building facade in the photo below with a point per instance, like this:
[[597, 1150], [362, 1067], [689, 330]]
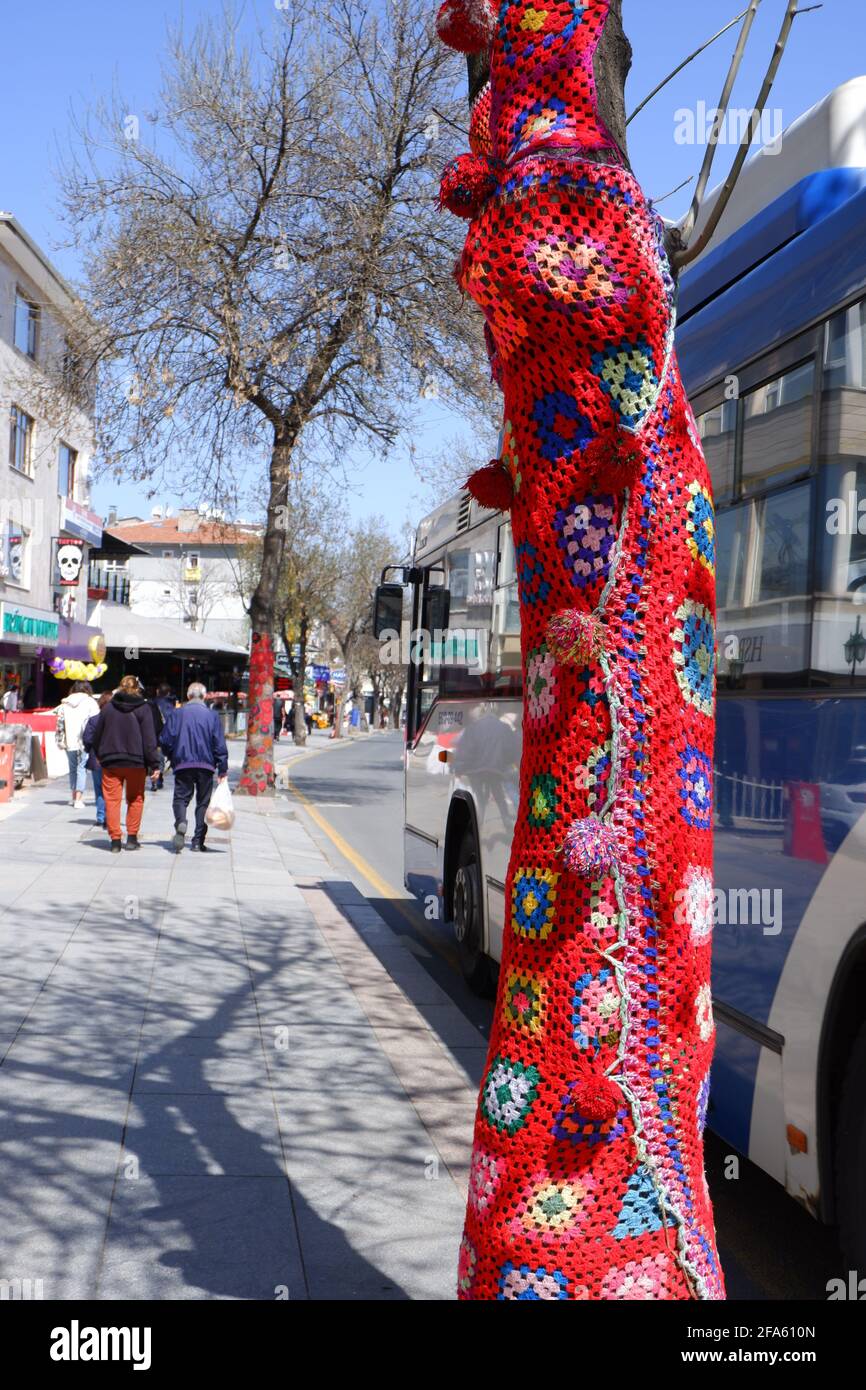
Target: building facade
[[46, 523], [189, 570]]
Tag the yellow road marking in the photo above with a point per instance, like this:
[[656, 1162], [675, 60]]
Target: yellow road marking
[[379, 884]]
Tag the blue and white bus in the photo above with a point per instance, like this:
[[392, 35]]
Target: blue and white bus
[[772, 345]]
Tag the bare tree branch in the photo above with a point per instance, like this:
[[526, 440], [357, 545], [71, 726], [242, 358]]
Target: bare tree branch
[[690, 252], [684, 64], [721, 112]]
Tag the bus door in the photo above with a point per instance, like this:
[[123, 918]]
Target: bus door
[[428, 780]]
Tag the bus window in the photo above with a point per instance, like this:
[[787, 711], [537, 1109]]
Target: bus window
[[763, 591], [845, 349], [840, 614], [505, 659], [782, 570], [718, 431], [460, 654], [777, 429]]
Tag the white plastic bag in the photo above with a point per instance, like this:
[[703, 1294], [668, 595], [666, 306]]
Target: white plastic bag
[[220, 813]]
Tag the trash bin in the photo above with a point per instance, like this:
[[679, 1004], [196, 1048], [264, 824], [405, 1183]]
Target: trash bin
[[355, 719], [7, 775], [20, 738]]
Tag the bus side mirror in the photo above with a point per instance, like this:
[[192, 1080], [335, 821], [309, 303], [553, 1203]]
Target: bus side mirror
[[388, 609], [438, 609]]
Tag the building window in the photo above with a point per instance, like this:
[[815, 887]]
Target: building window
[[13, 553], [67, 460], [777, 429], [26, 325], [21, 440]]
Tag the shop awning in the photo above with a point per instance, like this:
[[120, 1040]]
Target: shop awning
[[126, 629], [78, 642]]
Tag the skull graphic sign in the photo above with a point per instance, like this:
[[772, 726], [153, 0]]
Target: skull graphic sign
[[70, 557]]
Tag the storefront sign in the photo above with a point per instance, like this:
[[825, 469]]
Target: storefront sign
[[69, 559], [77, 521], [28, 626], [65, 604], [321, 673]]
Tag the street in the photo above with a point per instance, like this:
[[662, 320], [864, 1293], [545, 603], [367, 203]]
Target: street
[[253, 1075]]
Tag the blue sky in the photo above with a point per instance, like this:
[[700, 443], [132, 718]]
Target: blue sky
[[61, 56]]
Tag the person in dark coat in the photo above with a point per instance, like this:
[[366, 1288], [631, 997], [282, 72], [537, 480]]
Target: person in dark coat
[[194, 742], [94, 766], [124, 741], [162, 705], [279, 716]]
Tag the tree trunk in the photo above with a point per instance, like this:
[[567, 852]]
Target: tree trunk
[[299, 671], [613, 829], [257, 776], [339, 701], [611, 64]]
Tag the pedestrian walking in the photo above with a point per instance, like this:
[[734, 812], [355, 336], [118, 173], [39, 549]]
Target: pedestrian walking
[[124, 741], [73, 712], [279, 715], [94, 766], [162, 706], [195, 745], [308, 719]]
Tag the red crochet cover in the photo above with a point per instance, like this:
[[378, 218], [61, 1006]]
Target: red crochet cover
[[587, 1177]]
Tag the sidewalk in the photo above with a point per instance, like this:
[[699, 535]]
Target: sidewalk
[[222, 1076]]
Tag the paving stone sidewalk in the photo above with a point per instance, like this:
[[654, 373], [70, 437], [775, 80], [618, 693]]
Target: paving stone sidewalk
[[222, 1076]]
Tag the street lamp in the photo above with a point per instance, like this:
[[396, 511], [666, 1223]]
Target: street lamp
[[855, 650]]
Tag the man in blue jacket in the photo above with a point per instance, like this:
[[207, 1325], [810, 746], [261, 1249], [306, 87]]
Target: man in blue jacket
[[193, 741]]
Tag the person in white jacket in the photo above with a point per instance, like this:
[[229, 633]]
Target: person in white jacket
[[72, 714]]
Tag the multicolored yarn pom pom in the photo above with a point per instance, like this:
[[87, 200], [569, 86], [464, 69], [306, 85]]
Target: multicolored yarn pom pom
[[575, 637], [466, 25], [492, 486], [467, 183], [590, 847], [598, 1098]]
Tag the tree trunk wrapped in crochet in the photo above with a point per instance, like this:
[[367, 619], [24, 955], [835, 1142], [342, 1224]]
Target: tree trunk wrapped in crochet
[[587, 1177]]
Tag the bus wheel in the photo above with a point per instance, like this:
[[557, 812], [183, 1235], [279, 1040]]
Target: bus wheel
[[851, 1157], [467, 919]]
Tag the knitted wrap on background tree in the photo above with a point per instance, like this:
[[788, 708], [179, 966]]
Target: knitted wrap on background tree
[[587, 1177]]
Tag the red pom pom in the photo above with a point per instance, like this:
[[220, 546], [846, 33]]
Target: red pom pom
[[492, 486], [466, 25], [467, 182], [598, 1098]]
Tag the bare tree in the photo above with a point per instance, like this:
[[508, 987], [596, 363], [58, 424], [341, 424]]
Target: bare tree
[[367, 550], [308, 578], [267, 267]]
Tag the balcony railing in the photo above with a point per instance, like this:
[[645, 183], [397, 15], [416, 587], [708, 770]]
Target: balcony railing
[[108, 584]]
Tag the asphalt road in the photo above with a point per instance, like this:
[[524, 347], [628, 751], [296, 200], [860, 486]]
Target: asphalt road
[[771, 1248]]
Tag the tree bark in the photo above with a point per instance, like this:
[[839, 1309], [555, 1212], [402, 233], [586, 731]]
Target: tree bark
[[611, 64]]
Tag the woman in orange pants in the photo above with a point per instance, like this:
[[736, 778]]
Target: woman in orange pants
[[124, 741]]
